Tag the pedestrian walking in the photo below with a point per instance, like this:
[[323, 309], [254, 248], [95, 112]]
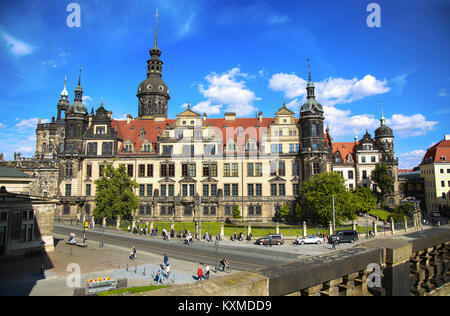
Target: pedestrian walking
[[207, 273], [334, 242], [166, 260], [199, 274]]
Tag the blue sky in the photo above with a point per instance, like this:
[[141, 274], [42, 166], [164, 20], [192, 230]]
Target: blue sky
[[240, 56]]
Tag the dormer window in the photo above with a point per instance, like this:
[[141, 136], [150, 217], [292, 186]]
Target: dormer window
[[443, 158]]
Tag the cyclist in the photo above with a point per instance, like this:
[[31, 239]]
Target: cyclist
[[224, 262]]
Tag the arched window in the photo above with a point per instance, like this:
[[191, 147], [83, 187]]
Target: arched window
[[314, 130]]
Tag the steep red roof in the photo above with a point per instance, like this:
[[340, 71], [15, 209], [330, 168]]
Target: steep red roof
[[434, 153], [345, 149]]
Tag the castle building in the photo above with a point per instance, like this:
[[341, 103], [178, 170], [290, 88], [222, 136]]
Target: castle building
[[257, 163]]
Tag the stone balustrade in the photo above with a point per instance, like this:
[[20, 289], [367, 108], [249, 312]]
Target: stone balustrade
[[412, 264]]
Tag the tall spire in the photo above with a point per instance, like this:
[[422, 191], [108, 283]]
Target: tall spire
[[79, 78], [310, 86], [156, 29], [383, 119], [65, 93]]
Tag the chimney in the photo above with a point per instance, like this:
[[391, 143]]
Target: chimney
[[230, 116], [204, 117], [260, 116], [447, 137], [129, 119]]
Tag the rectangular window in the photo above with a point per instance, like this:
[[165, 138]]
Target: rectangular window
[[350, 174], [162, 210], [141, 209], [280, 148], [251, 210], [206, 170], [297, 147], [205, 190], [185, 190], [163, 170], [171, 170], [258, 190], [443, 184], [227, 210], [249, 170], [235, 170], [107, 148], [363, 159], [291, 148], [213, 170], [273, 168], [316, 168], [281, 169], [149, 170], [141, 189], [92, 148], [364, 174], [281, 189], [130, 170], [149, 190], [258, 169], [188, 210], [235, 189], [141, 171], [88, 190], [163, 190], [295, 189], [250, 191], [258, 210], [68, 190], [273, 189], [171, 190], [205, 210], [212, 210], [184, 170], [192, 170], [191, 189], [213, 189], [373, 159], [100, 170], [88, 171], [226, 190], [226, 170]]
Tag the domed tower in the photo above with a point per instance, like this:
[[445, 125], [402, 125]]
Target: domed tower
[[76, 123], [153, 93], [63, 102], [384, 138], [315, 153]]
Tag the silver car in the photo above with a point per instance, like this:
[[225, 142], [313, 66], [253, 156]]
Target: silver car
[[309, 240]]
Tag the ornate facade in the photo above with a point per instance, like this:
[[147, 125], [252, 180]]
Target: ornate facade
[[193, 163]]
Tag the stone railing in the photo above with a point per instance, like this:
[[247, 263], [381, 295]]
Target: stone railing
[[412, 264]]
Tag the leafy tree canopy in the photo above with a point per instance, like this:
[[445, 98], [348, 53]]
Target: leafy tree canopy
[[383, 179], [317, 195], [114, 193]]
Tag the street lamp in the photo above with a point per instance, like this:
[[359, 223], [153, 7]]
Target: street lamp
[[102, 244], [216, 244]]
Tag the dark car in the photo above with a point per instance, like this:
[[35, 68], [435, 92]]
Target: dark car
[[275, 239], [347, 236]]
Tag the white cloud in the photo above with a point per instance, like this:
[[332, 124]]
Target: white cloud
[[330, 91], [225, 89], [29, 123], [341, 122], [207, 107], [442, 92], [414, 125], [86, 100], [17, 47], [2, 125], [411, 159]]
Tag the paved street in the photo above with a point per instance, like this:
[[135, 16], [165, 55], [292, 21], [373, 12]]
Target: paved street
[[19, 276]]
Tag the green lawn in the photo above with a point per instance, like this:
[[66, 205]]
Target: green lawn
[[381, 214], [258, 230], [133, 290]]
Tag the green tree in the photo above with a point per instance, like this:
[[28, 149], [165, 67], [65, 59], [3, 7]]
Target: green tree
[[384, 181], [298, 211], [284, 213], [317, 195], [236, 212], [365, 200], [114, 193]]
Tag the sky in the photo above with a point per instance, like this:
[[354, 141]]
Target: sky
[[233, 56]]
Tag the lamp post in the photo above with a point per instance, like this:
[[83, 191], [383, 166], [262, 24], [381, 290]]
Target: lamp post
[[334, 217], [216, 245], [102, 243]]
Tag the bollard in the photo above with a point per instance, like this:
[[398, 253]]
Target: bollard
[[135, 269], [144, 271], [127, 267]]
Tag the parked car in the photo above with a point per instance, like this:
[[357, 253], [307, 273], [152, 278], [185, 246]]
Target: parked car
[[276, 239], [309, 240], [346, 236]]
